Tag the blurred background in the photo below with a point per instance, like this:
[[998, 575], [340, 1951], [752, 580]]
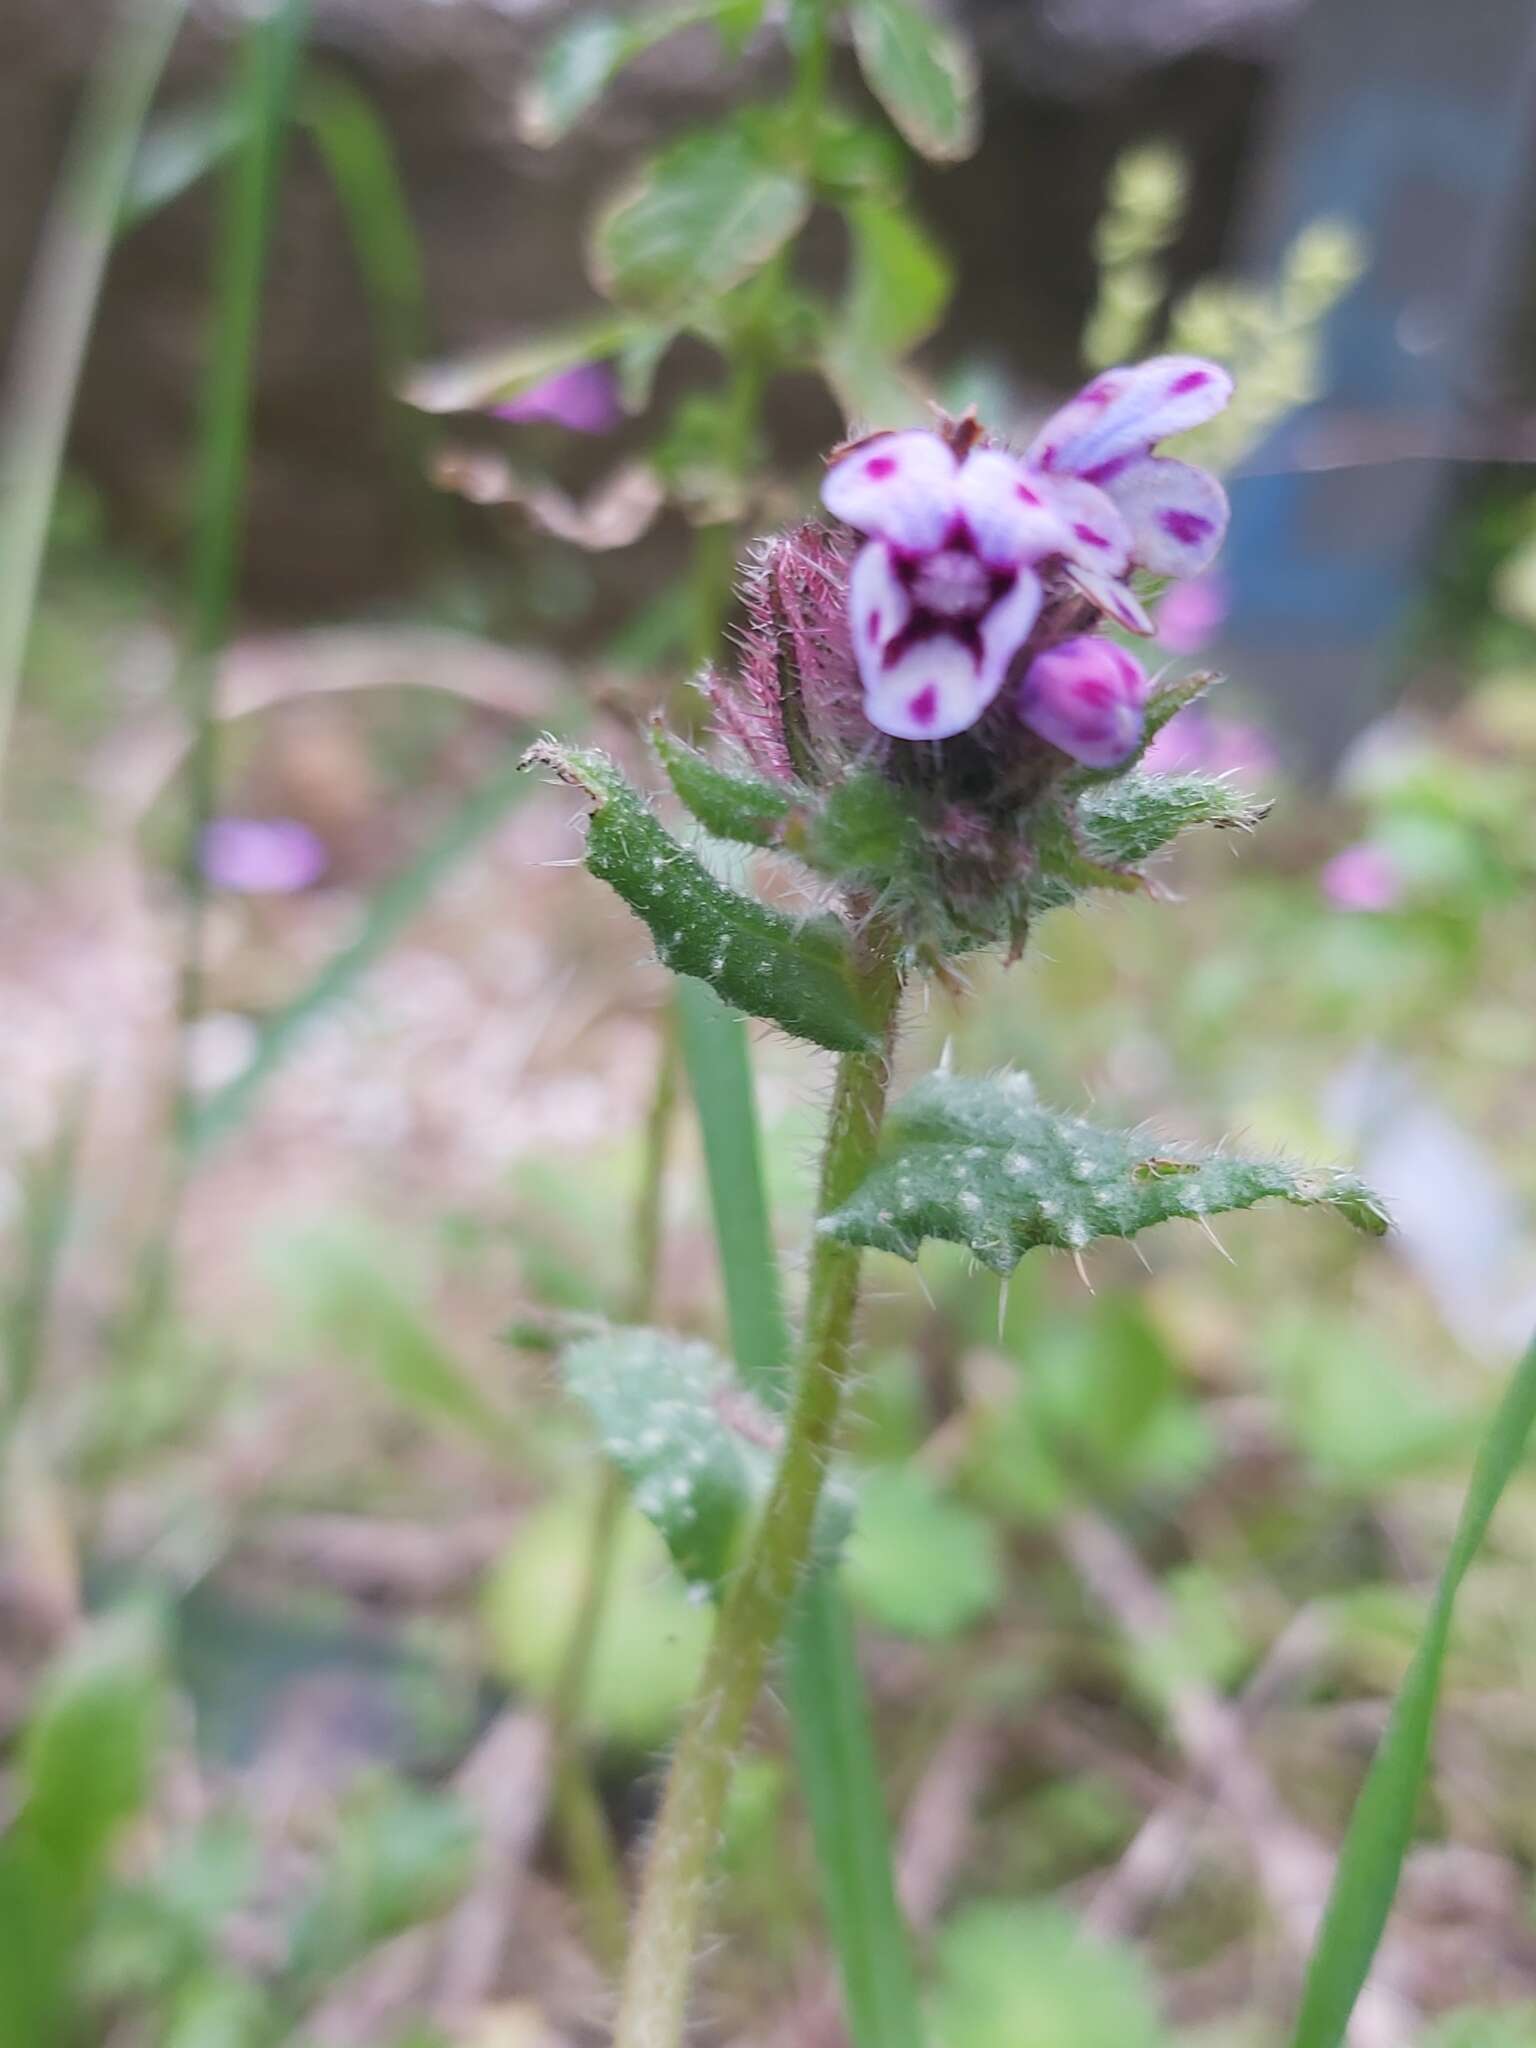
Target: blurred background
[[319, 1068]]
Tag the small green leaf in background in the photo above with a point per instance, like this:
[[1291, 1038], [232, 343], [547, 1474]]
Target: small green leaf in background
[[89, 1745], [983, 1164], [796, 974], [572, 73], [697, 1447], [1028, 1976], [918, 1563], [899, 284], [651, 1637], [176, 151], [344, 1283], [697, 219], [1371, 1860], [400, 1856], [922, 73]]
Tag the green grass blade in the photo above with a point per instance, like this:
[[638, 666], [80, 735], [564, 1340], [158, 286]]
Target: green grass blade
[[268, 59], [1371, 1860], [714, 1042], [360, 159], [60, 308], [838, 1765], [388, 912]]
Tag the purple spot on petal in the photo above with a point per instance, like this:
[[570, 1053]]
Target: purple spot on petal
[[924, 707], [1106, 470], [1190, 381], [872, 627], [1091, 537], [1023, 491], [879, 467], [1187, 528]]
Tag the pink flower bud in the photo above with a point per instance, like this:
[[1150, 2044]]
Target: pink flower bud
[[1085, 696], [1363, 877]]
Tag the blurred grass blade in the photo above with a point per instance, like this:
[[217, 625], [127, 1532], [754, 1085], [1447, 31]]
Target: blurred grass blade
[[388, 912], [178, 150], [269, 54], [360, 159], [838, 1765], [47, 1203], [1371, 1860], [60, 306]]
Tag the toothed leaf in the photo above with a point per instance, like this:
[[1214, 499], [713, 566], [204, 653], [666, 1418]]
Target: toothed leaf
[[745, 808], [698, 1449], [983, 1164], [793, 974]]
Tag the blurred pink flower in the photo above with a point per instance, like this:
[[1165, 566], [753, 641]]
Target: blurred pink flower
[[1362, 877], [1196, 742], [584, 398], [262, 856], [1192, 614]]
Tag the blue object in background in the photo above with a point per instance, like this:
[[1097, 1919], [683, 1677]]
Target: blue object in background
[[1412, 120]]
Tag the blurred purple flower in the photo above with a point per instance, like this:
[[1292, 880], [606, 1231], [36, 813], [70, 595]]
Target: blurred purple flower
[[262, 856], [1192, 614], [1363, 877], [584, 398], [1196, 742]]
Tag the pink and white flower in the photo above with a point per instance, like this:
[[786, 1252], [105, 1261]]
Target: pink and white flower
[[1174, 514], [1086, 696], [944, 593], [964, 543]]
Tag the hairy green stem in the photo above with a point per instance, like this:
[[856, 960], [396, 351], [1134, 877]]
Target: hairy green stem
[[585, 1836], [654, 2003]]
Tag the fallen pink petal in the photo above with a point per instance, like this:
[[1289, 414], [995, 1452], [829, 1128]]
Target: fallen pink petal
[[585, 399]]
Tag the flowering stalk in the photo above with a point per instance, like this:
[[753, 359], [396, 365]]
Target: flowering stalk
[[654, 2003]]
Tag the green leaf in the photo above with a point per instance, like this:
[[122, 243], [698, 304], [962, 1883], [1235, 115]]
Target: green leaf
[[644, 1660], [1125, 822], [176, 151], [699, 217], [577, 65], [983, 1164], [918, 1563], [89, 1746], [745, 808], [492, 375], [899, 284], [794, 974], [697, 1447], [922, 73], [573, 71], [347, 1287], [1381, 1826], [1029, 1977]]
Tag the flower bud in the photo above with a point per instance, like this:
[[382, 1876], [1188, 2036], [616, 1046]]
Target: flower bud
[[1086, 696]]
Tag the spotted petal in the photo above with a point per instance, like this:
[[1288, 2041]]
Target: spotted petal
[[1115, 599], [896, 487], [878, 608], [1177, 514], [1006, 510], [1005, 628], [934, 690], [1127, 411], [1094, 529]]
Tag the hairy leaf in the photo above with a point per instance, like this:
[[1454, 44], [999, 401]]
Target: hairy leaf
[[796, 975], [922, 73], [745, 808], [697, 1447], [1127, 821], [983, 1164], [701, 216]]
